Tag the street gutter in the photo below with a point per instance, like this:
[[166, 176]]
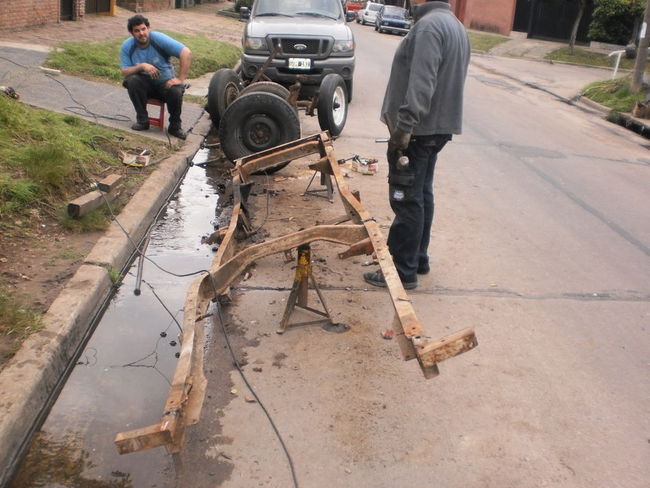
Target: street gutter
[[31, 380]]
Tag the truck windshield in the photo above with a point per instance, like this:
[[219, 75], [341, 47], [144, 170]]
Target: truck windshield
[[292, 8]]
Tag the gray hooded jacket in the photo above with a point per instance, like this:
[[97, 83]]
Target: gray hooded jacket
[[424, 95]]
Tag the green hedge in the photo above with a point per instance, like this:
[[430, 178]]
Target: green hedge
[[613, 21]]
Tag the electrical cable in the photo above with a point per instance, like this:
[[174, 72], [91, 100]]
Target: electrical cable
[[257, 398], [80, 109], [221, 320]]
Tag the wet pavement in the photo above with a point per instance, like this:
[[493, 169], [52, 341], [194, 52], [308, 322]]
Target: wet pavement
[[122, 379]]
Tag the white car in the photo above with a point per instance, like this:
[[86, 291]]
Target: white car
[[368, 14]]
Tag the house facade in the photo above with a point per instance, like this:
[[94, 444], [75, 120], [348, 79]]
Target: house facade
[[494, 16], [17, 14]]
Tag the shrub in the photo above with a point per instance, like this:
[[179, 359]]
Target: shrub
[[243, 3], [614, 21]]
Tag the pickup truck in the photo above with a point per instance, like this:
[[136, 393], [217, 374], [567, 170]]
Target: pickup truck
[[297, 39]]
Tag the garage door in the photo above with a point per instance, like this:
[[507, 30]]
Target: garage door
[[98, 6]]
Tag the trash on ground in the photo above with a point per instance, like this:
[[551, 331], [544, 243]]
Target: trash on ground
[[388, 334], [139, 160]]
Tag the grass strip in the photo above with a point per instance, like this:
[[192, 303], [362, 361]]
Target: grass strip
[[100, 61], [483, 42]]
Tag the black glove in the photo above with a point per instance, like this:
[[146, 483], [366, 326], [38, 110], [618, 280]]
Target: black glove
[[399, 140]]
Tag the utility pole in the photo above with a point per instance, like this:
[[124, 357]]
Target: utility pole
[[641, 52]]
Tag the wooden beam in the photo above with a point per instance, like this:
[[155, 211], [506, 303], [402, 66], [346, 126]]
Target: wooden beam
[[89, 202], [110, 183], [142, 439]]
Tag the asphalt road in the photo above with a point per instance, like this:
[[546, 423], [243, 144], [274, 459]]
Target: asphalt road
[[541, 242]]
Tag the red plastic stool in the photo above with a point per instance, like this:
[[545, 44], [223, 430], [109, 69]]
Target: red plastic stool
[[160, 120]]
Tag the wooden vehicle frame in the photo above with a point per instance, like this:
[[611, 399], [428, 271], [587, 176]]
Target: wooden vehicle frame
[[357, 229]]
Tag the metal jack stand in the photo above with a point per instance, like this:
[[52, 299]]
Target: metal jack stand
[[325, 180], [298, 296]]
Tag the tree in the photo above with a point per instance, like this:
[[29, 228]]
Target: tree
[[641, 54], [576, 24]]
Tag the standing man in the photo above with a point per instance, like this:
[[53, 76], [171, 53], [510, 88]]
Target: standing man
[[423, 107], [149, 73]]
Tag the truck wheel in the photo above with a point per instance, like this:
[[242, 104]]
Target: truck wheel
[[224, 88], [267, 87], [255, 122], [332, 104]]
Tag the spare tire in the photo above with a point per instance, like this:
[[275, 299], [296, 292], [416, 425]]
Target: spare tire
[[267, 87], [255, 122], [332, 104], [224, 88]]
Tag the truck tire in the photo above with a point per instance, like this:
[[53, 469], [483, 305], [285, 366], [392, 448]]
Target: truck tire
[[267, 87], [332, 104], [257, 121], [224, 88]]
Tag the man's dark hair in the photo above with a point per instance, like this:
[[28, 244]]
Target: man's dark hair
[[137, 20]]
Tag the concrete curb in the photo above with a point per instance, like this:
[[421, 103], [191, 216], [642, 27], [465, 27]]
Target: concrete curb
[[37, 371]]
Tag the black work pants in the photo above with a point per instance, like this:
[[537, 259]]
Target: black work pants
[[141, 87], [411, 198]]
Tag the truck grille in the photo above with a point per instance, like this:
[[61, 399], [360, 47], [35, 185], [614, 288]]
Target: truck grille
[[301, 46]]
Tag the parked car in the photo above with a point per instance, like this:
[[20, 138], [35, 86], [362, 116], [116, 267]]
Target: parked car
[[368, 15], [393, 19]]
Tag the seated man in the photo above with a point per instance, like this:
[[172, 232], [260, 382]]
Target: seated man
[[149, 73]]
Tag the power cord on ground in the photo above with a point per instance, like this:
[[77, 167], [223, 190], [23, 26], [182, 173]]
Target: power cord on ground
[[221, 320]]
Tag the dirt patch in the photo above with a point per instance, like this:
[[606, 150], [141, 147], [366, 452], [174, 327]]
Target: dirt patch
[[37, 258]]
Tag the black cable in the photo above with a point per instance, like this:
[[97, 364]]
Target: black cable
[[163, 304], [257, 398], [81, 109], [221, 320]]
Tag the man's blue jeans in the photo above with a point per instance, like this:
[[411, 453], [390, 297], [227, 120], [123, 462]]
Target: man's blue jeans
[[411, 198]]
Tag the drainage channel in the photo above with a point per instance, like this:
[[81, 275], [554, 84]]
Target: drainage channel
[[123, 376]]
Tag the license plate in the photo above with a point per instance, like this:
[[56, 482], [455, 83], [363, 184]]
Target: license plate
[[302, 64]]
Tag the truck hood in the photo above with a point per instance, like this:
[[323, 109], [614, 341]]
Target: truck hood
[[289, 26]]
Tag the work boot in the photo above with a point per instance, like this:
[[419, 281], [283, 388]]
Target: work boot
[[140, 126], [376, 278], [177, 132], [423, 267]]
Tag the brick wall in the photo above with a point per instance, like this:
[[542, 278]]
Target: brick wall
[[494, 16], [146, 5], [18, 14], [15, 14]]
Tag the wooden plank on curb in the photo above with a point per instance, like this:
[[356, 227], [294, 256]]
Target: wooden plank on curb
[[88, 202], [110, 183]]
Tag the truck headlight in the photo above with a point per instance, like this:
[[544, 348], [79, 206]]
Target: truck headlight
[[254, 44], [343, 47]]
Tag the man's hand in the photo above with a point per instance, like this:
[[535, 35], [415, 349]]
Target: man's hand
[[399, 140], [174, 81], [150, 69]]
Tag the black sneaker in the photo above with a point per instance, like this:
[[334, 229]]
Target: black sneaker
[[140, 126], [423, 268], [177, 132], [376, 278]]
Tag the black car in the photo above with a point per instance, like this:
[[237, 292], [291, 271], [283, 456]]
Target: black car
[[393, 19]]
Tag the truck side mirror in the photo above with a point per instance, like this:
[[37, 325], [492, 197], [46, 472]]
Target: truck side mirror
[[350, 16], [244, 13]]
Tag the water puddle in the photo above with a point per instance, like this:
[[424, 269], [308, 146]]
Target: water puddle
[[122, 379]]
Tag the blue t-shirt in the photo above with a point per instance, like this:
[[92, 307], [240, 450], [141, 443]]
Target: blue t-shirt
[[158, 57]]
